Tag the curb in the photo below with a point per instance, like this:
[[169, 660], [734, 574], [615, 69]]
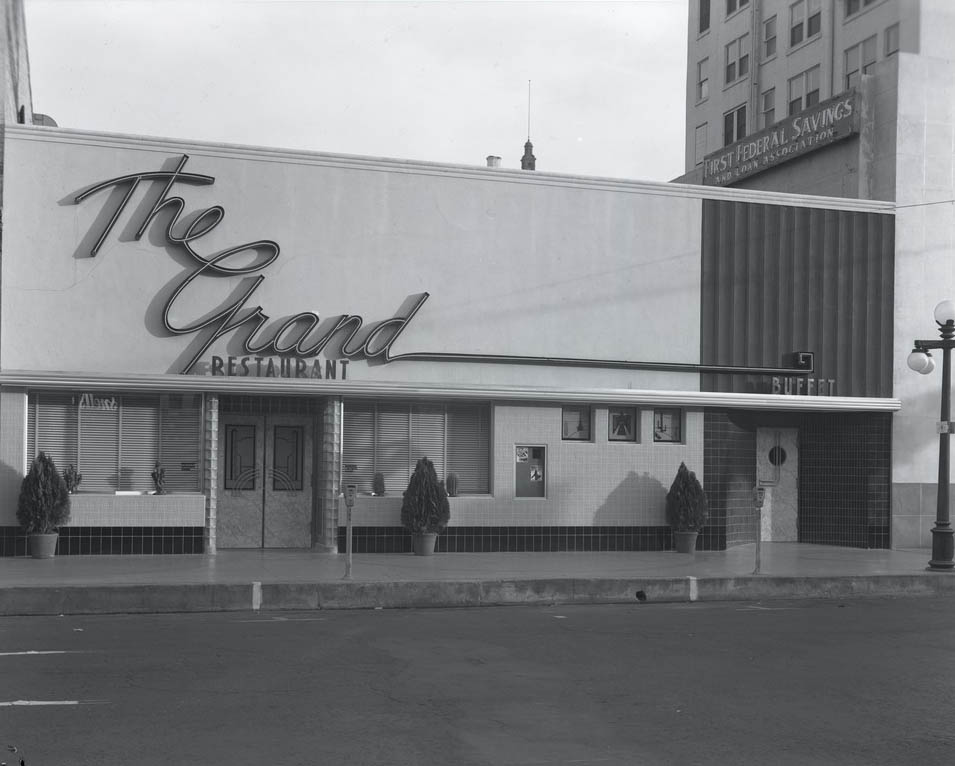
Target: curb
[[239, 597]]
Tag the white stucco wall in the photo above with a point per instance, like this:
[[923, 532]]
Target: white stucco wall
[[925, 266], [924, 261], [515, 263]]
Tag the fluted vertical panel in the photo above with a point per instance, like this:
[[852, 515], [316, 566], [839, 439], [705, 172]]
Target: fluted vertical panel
[[779, 279]]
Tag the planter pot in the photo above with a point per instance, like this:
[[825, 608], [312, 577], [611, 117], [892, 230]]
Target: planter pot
[[424, 543], [43, 546], [685, 542]]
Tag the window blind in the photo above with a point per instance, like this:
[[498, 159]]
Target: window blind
[[390, 438], [116, 441], [358, 445], [469, 447], [427, 437], [391, 450], [180, 441], [54, 429]]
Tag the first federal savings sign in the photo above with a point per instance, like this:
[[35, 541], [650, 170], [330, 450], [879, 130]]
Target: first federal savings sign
[[798, 134]]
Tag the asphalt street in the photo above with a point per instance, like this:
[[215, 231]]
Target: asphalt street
[[866, 681]]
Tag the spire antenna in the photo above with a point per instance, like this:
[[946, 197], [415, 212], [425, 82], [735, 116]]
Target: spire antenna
[[528, 161]]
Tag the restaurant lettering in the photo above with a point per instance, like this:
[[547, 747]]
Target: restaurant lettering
[[303, 335], [813, 128], [793, 386], [281, 367]]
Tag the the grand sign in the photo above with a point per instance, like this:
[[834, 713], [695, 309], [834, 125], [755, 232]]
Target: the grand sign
[[295, 345], [811, 129], [302, 335]]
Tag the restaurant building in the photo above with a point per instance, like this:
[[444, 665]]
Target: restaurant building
[[266, 327]]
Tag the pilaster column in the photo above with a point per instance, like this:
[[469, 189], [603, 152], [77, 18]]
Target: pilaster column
[[210, 461], [329, 476]]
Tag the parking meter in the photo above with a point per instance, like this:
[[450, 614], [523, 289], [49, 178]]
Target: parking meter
[[759, 495], [351, 491]]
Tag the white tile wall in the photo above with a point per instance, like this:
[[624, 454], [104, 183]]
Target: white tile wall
[[174, 510], [598, 483]]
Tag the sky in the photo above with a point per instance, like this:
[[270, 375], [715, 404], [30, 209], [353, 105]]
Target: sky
[[599, 84]]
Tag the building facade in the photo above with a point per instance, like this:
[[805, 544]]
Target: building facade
[[266, 327], [850, 98], [259, 328]]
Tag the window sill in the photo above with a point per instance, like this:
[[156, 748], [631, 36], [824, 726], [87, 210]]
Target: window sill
[[859, 13], [738, 12], [805, 43], [738, 81]]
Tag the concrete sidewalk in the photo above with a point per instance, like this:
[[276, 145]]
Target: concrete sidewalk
[[292, 580]]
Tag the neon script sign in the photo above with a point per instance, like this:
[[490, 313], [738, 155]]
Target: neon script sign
[[302, 335]]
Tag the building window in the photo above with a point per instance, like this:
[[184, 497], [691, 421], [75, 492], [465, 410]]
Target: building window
[[390, 437], [668, 425], [737, 59], [767, 108], [700, 150], [575, 424], [734, 125], [704, 15], [623, 424], [804, 90], [859, 60], [892, 40], [854, 6], [769, 38], [734, 5], [702, 79], [115, 440], [805, 20]]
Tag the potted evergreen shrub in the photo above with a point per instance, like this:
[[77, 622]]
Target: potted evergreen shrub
[[686, 509], [425, 509], [43, 506]]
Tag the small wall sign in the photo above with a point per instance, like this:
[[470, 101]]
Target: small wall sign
[[798, 386]]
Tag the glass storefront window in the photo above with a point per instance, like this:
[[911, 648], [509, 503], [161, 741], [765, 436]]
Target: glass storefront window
[[116, 440]]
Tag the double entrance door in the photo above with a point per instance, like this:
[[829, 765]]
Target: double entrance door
[[265, 481]]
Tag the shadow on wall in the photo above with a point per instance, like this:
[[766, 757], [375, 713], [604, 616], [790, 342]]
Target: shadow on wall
[[10, 480], [637, 501]]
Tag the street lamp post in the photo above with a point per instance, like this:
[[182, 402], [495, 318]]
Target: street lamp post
[[921, 361]]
